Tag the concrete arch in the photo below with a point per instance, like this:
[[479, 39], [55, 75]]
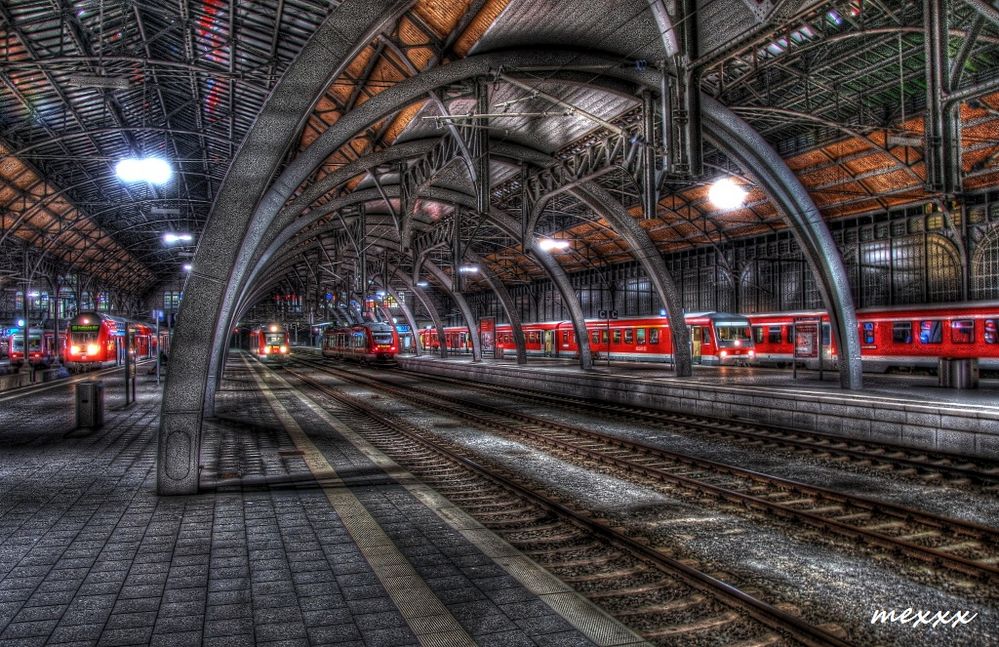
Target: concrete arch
[[343, 34]]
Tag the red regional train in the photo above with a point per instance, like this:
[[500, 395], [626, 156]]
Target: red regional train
[[717, 338], [372, 342], [897, 338], [41, 347], [93, 340], [270, 342]]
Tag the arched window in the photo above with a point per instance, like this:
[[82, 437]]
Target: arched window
[[985, 267]]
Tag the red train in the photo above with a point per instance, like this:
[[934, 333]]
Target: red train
[[899, 338], [372, 342], [96, 339], [270, 342], [904, 337], [717, 338], [41, 347]]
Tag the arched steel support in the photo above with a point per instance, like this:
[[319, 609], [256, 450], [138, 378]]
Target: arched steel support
[[344, 33], [506, 302], [444, 281], [645, 252], [747, 147], [407, 312], [431, 309]]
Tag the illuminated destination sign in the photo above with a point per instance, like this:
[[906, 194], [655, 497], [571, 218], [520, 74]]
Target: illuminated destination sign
[[85, 328]]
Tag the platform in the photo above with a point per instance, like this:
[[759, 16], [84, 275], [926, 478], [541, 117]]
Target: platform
[[907, 410], [299, 537]]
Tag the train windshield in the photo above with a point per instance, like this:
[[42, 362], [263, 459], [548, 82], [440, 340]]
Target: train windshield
[[382, 338], [733, 334], [275, 338], [83, 337]]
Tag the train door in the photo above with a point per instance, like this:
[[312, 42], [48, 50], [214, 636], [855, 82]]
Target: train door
[[549, 342], [696, 341]]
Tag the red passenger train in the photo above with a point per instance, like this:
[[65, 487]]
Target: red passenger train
[[93, 340], [372, 342], [41, 347], [270, 342], [902, 337], [717, 338]]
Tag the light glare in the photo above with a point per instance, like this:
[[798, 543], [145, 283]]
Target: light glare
[[468, 269], [726, 194], [548, 244], [171, 237], [147, 169], [188, 267]]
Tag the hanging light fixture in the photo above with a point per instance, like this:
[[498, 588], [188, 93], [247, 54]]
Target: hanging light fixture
[[726, 194]]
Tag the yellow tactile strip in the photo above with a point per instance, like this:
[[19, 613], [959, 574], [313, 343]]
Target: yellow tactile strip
[[584, 616], [423, 611]]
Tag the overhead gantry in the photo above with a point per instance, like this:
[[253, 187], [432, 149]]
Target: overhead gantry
[[256, 219]]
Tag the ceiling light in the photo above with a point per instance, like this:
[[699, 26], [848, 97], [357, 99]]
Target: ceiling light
[[146, 169], [187, 267], [726, 194], [422, 284], [468, 269], [548, 244], [173, 237]]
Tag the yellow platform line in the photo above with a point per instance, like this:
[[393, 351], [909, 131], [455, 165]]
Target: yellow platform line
[[587, 618], [423, 611]]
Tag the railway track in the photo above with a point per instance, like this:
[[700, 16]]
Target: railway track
[[897, 460], [964, 547], [666, 601]]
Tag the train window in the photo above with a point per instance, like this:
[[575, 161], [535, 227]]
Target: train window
[[962, 331], [992, 331], [565, 336], [901, 332], [617, 336], [868, 329], [605, 335], [758, 334], [629, 335], [773, 335], [595, 337], [930, 332], [826, 335], [640, 336], [653, 335]]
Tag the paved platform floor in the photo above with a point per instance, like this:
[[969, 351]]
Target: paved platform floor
[[90, 555], [921, 388]]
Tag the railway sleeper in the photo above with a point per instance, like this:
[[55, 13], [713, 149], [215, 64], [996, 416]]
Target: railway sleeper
[[665, 607], [700, 626], [636, 590], [631, 571]]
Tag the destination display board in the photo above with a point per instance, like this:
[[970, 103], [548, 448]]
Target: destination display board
[[84, 327]]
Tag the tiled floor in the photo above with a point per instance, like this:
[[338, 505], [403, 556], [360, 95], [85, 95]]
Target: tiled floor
[[90, 555]]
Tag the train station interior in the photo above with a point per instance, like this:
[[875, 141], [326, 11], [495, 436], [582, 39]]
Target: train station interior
[[446, 323]]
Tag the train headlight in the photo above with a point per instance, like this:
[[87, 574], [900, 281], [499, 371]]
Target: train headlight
[[724, 353], [74, 349], [93, 349], [267, 350], [752, 353], [284, 349]]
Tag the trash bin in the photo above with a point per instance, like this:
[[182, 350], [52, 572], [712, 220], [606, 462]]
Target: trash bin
[[958, 373], [90, 404]]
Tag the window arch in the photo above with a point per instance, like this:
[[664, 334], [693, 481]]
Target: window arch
[[985, 266]]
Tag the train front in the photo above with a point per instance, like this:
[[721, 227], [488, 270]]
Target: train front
[[274, 343], [384, 342], [734, 337], [88, 341]]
